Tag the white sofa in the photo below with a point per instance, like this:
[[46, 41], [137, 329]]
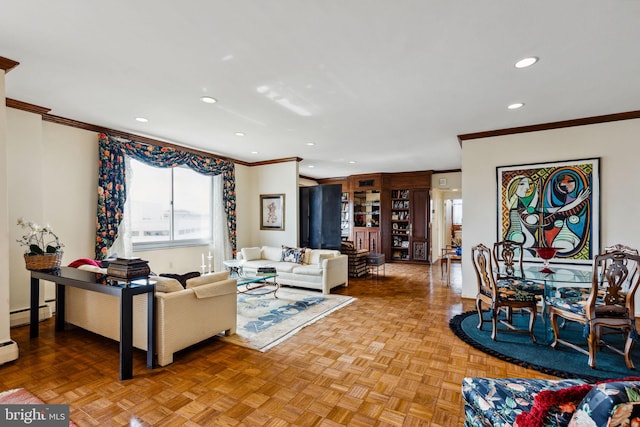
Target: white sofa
[[184, 317], [320, 269]]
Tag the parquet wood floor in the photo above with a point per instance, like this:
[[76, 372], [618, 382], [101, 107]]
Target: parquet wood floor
[[388, 359]]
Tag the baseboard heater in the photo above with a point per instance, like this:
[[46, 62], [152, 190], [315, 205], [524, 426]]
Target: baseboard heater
[[23, 317]]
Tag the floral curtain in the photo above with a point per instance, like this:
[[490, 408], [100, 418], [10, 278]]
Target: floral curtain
[[112, 182]]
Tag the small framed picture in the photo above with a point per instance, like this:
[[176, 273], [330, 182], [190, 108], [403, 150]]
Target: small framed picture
[[272, 212]]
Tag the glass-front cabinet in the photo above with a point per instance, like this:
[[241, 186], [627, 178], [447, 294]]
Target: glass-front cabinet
[[366, 220], [366, 208]]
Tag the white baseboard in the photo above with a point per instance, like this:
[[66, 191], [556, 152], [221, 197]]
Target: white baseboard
[[23, 317], [8, 352]]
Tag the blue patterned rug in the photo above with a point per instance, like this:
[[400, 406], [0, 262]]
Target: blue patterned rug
[[265, 321]]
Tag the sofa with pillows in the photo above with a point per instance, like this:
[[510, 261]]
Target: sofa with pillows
[[520, 402], [320, 269], [186, 314]]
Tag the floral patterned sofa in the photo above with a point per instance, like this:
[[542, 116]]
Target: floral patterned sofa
[[519, 402]]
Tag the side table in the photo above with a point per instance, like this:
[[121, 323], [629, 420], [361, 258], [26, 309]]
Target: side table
[[374, 262], [234, 266]]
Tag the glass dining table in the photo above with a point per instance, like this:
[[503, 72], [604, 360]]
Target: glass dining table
[[561, 277]]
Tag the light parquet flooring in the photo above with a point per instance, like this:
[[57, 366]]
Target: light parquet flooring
[[388, 359]]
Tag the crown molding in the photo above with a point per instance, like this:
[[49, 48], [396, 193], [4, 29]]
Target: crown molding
[[552, 125], [7, 64], [44, 112], [270, 162], [25, 106]]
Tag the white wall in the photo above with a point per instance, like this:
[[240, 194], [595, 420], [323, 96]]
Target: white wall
[[251, 182], [616, 143], [52, 179], [8, 348]]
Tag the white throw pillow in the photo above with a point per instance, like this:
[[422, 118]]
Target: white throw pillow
[[250, 254], [271, 253], [307, 256], [316, 253]]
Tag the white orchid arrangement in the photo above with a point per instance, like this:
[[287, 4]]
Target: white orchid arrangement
[[39, 240]]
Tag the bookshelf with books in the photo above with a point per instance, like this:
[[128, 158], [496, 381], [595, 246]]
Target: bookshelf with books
[[400, 225], [345, 217], [406, 222]]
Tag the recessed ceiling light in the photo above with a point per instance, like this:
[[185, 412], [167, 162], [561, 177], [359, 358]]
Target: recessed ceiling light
[[311, 166], [352, 161], [208, 99], [141, 120], [526, 62], [515, 106], [254, 152], [240, 134], [310, 144]]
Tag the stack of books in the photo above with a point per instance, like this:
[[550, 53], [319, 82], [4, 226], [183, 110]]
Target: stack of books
[[266, 271], [128, 269]]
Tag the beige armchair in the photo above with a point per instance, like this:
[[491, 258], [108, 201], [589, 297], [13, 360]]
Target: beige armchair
[[207, 307]]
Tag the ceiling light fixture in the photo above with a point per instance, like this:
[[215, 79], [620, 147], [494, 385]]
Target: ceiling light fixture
[[352, 161], [208, 99], [310, 144], [526, 62], [254, 152], [141, 120], [311, 166], [515, 106], [240, 134]]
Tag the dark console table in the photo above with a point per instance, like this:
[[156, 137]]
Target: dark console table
[[95, 282]]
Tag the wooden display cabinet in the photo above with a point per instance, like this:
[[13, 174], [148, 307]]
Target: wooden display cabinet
[[387, 213], [367, 211], [407, 217]]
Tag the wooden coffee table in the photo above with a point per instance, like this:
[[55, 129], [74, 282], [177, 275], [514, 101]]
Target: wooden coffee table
[[258, 285]]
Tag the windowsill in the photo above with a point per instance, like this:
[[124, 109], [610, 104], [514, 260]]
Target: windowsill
[[155, 246]]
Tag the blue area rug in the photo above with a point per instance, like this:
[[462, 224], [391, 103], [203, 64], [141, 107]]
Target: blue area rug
[[265, 321], [564, 362]]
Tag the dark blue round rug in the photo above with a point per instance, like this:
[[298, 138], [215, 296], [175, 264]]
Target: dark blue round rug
[[564, 362]]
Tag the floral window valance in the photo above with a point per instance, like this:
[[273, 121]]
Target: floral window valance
[[112, 182]]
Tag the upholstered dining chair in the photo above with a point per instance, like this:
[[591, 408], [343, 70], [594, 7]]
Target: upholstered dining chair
[[508, 265], [607, 306], [500, 295]]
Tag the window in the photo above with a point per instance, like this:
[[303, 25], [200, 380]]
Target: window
[[169, 206], [456, 209]]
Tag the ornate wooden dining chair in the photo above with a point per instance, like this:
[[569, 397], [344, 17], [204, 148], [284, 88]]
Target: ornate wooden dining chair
[[500, 295], [507, 258], [583, 292], [608, 305]]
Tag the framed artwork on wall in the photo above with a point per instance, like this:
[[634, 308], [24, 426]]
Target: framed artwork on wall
[[551, 205], [272, 212]]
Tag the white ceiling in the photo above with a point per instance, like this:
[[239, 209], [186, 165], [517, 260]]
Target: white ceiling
[[387, 83]]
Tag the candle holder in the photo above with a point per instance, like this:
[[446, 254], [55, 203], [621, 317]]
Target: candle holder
[[210, 258], [546, 253]]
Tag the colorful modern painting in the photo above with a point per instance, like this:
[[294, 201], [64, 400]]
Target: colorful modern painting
[[551, 205]]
